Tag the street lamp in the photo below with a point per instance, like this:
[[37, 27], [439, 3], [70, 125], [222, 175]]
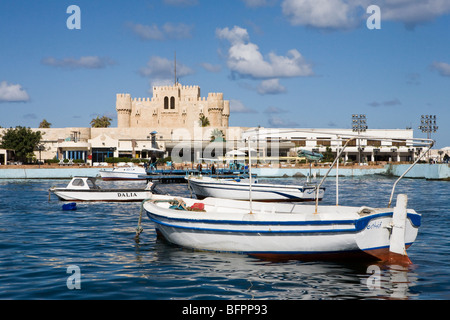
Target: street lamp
[[359, 124], [428, 125]]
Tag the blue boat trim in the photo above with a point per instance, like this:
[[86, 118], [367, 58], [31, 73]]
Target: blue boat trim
[[231, 188], [359, 224], [272, 232]]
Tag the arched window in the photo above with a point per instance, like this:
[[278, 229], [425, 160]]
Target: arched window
[[172, 102], [166, 103]]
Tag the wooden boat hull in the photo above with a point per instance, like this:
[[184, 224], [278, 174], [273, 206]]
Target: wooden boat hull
[[291, 232]]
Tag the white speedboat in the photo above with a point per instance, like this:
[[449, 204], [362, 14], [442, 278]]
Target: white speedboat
[[284, 231], [239, 189], [85, 189], [124, 173]]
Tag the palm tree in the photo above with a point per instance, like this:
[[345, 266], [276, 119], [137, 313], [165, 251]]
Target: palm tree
[[45, 124], [103, 122], [204, 121]]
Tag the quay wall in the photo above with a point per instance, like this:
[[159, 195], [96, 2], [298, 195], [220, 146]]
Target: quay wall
[[440, 171], [318, 172], [47, 173], [420, 171]]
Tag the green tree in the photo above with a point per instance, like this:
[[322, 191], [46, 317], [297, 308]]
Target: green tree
[[103, 122], [23, 140], [328, 155], [204, 121], [45, 124]]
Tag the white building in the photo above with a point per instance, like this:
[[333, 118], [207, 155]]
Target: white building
[[283, 142]]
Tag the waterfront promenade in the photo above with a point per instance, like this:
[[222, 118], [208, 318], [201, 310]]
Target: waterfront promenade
[[424, 171]]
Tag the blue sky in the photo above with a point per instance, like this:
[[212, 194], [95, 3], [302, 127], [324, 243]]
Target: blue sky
[[281, 63]]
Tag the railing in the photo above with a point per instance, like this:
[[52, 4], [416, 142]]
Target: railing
[[423, 142], [350, 138]]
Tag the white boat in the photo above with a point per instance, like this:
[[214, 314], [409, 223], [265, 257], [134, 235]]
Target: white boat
[[239, 189], [281, 231], [124, 173], [85, 189], [289, 231]]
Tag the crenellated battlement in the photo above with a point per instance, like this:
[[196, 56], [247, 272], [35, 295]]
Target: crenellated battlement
[[176, 106], [141, 99], [215, 95]]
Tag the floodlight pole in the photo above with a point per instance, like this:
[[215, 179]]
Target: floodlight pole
[[359, 124], [428, 125]]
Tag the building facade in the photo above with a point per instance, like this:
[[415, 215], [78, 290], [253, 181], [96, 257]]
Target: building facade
[[168, 124], [375, 145], [172, 107]]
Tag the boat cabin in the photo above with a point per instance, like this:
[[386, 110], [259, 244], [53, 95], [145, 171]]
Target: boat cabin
[[82, 183]]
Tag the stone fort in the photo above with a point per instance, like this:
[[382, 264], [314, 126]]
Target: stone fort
[[172, 107]]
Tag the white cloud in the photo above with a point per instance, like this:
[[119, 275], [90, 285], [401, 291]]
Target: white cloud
[[88, 62], [245, 59], [277, 122], [12, 93], [441, 67], [146, 32], [167, 31], [211, 67], [412, 13], [177, 30], [271, 86], [345, 14], [273, 110], [236, 106], [387, 103], [161, 71], [319, 13], [259, 3], [237, 35]]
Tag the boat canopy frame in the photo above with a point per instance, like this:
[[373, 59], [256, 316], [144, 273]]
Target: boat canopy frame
[[413, 142]]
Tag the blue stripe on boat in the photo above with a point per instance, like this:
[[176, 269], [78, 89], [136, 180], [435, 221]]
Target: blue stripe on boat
[[359, 224]]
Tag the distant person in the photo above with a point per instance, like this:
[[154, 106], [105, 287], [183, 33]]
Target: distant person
[[153, 163], [213, 169], [446, 158]]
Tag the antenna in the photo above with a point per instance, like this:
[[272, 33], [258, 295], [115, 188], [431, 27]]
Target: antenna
[[175, 67]]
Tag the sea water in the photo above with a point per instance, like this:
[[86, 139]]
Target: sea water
[[90, 253]]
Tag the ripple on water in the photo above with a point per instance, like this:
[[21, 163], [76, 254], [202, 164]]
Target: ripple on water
[[39, 241]]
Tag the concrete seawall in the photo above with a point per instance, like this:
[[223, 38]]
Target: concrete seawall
[[439, 171], [47, 173], [424, 171], [319, 172]]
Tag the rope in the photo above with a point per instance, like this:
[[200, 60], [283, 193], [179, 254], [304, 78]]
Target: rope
[[139, 228]]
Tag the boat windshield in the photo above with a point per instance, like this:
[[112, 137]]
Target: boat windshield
[[78, 183]]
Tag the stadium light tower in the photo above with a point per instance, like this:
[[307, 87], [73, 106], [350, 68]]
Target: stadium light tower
[[359, 124], [428, 125]]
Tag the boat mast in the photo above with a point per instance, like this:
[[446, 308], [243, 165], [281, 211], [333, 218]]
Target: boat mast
[[250, 174]]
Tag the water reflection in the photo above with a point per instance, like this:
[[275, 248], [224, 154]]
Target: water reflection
[[38, 241], [210, 275], [391, 282]]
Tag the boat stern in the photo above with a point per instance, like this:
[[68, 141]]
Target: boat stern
[[386, 236]]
